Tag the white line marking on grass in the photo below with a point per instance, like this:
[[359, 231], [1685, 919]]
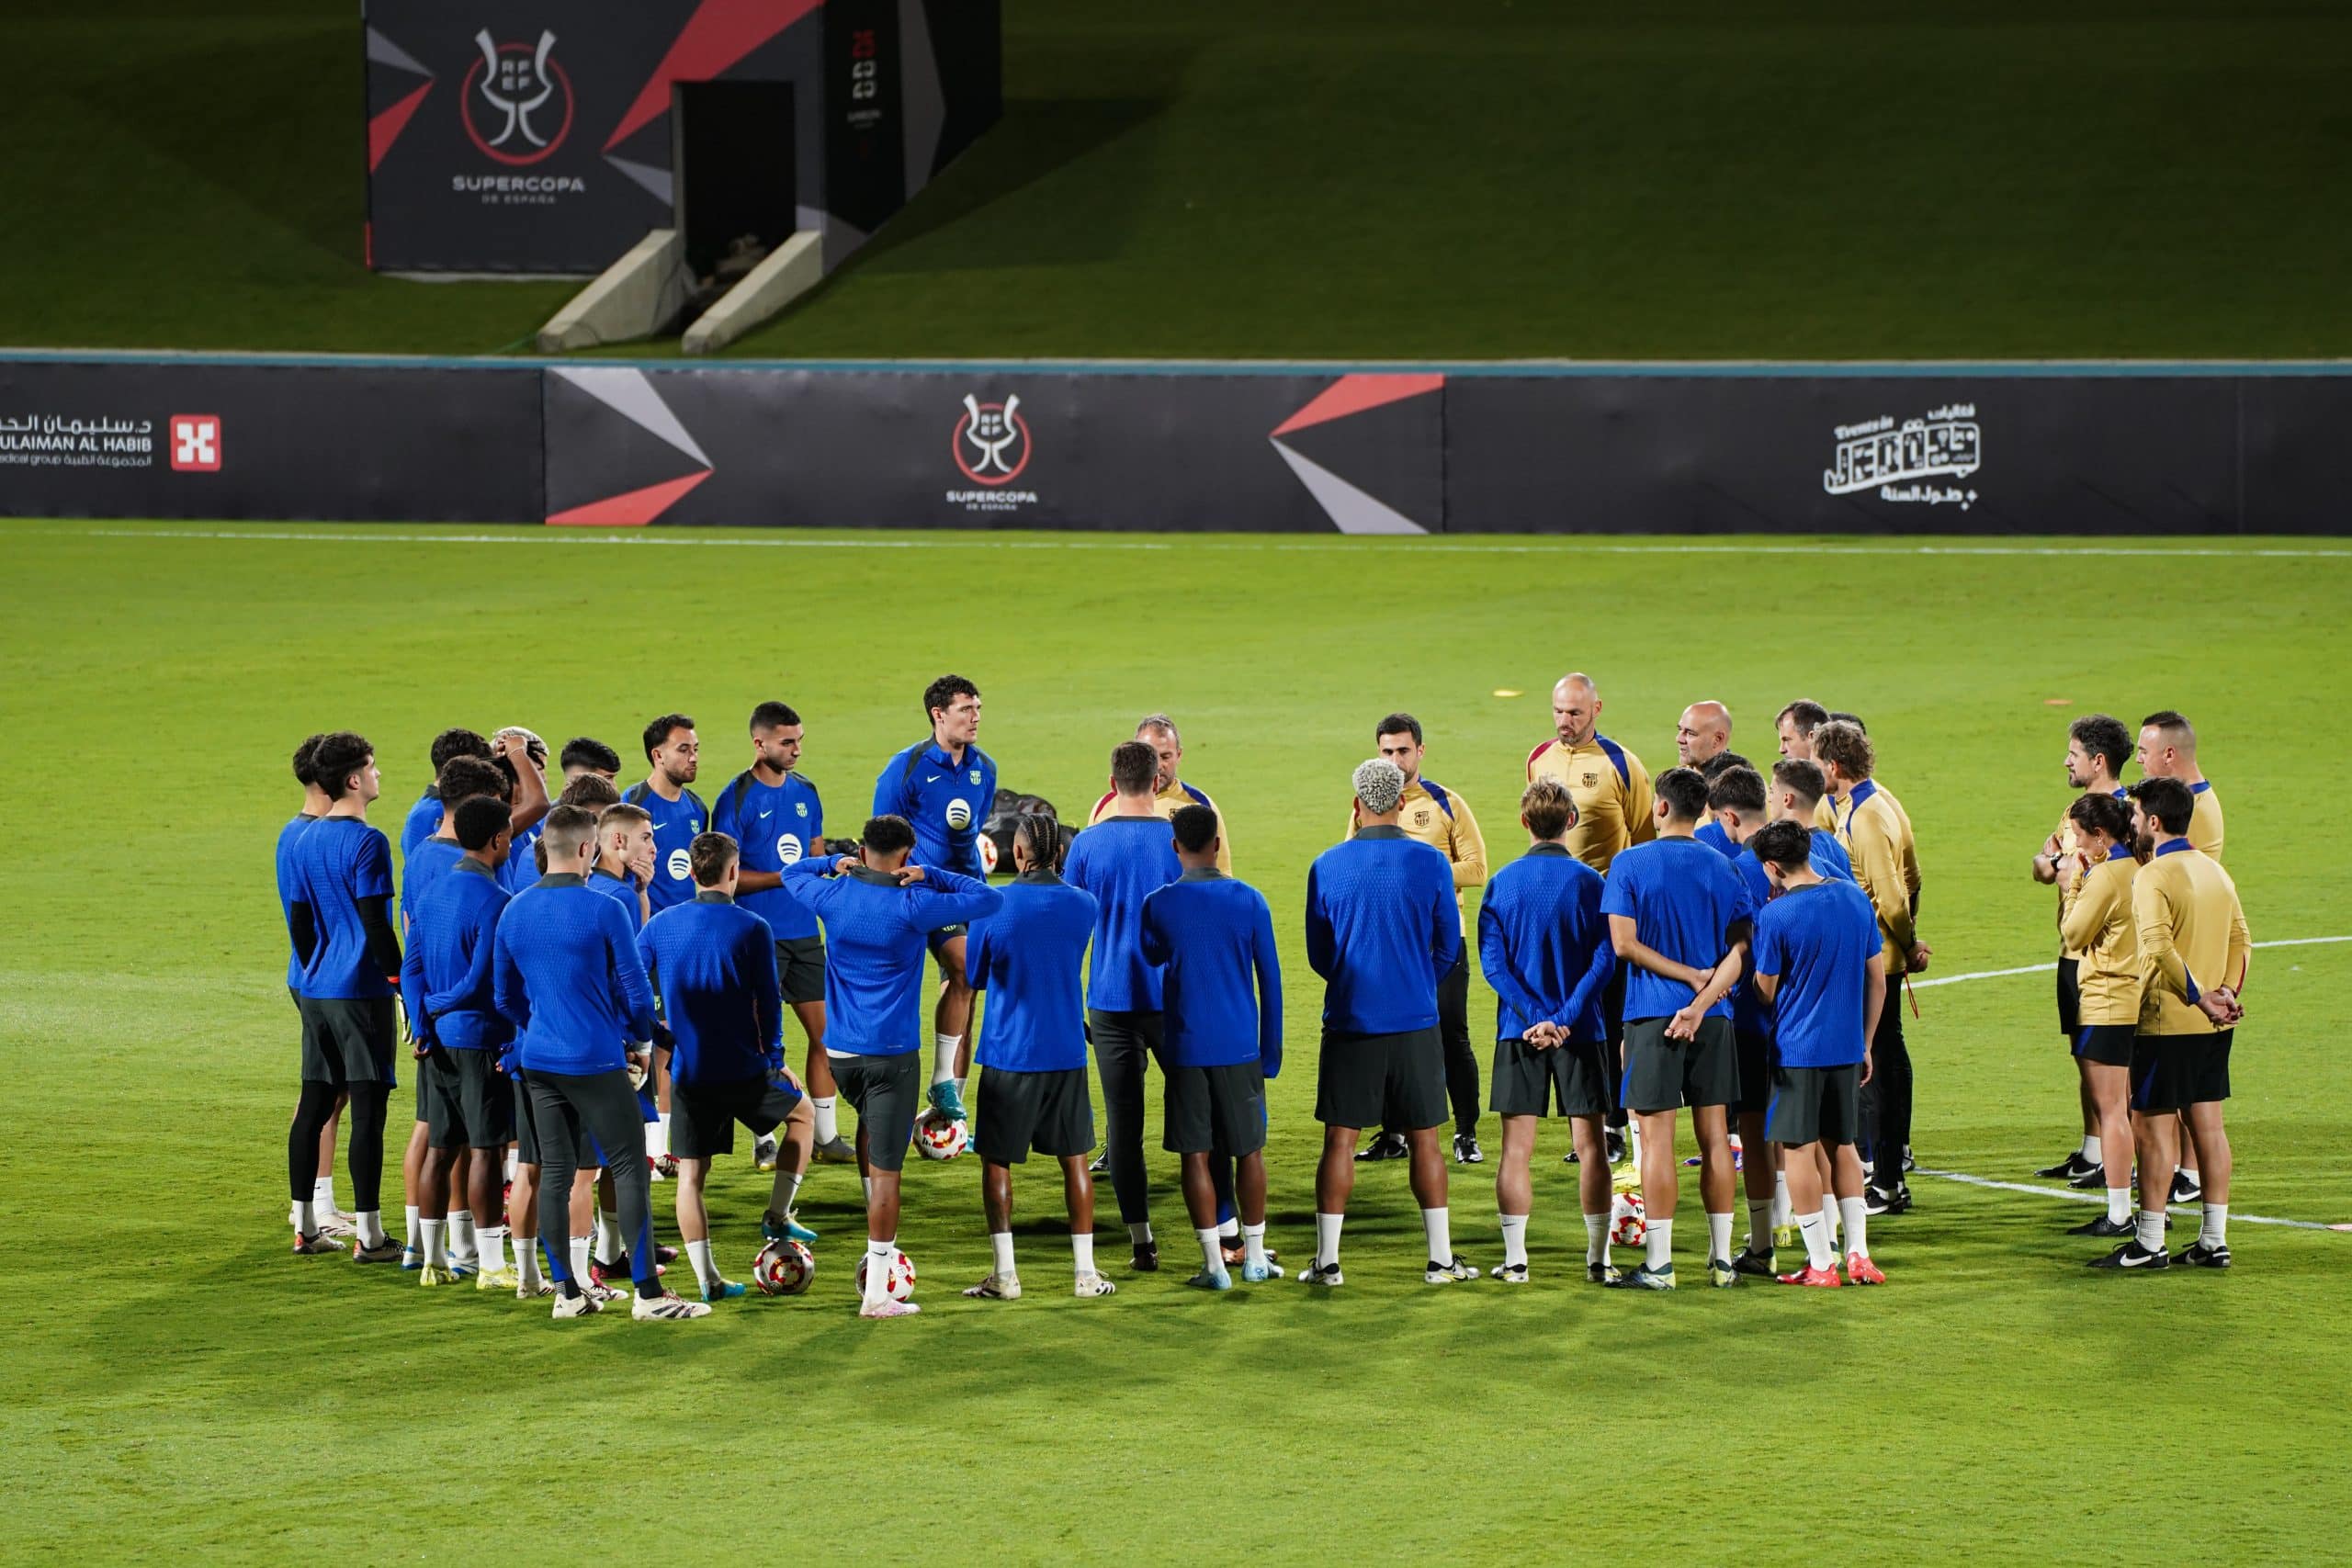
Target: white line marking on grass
[[1579, 544], [2052, 967]]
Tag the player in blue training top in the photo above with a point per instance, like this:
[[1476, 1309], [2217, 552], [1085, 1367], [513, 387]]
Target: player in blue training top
[[878, 912], [569, 977], [672, 757], [1543, 946], [338, 890], [1819, 962], [713, 965], [1679, 917], [773, 813], [1120, 861], [1222, 994], [1737, 800], [424, 816], [1794, 795], [1033, 1052], [325, 1219], [943, 788], [1382, 926]]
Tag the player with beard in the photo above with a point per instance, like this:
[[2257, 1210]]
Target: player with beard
[[2096, 748]]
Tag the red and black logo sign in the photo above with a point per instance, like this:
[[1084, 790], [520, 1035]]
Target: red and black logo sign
[[991, 441]]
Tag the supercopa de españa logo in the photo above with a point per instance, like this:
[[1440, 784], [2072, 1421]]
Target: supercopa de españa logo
[[1892, 459], [517, 101], [991, 445]]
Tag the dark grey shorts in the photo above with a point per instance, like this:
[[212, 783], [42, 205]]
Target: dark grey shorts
[[526, 1133], [800, 969], [1753, 1048], [2172, 1072], [1020, 1112], [702, 1116], [1663, 1075], [1380, 1080], [1569, 1079], [347, 1041], [1814, 1105], [469, 1103], [1214, 1110], [887, 1094]]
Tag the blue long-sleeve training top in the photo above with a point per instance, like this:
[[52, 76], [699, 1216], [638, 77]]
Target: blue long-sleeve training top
[[944, 801], [1544, 946], [1212, 937], [448, 975], [1121, 860], [874, 947], [1381, 926], [1026, 957], [569, 979], [713, 964]]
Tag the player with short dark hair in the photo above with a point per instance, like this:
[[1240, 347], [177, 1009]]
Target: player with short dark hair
[[672, 757], [1382, 927], [2167, 750], [1213, 938], [1818, 962], [1118, 862], [942, 788], [1740, 797], [586, 754], [1795, 795], [325, 1218], [2100, 930], [339, 884], [1544, 948], [424, 816], [1679, 917], [2097, 748], [1796, 724], [1032, 1051], [1159, 731], [880, 912], [712, 963]]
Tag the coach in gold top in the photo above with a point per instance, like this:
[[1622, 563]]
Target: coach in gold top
[[1439, 817], [1158, 732], [2097, 748], [1609, 786], [2168, 751]]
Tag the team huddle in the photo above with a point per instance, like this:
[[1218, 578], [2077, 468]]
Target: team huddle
[[592, 985]]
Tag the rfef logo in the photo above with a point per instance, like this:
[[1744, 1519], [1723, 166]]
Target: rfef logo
[[991, 441], [196, 443], [517, 83]]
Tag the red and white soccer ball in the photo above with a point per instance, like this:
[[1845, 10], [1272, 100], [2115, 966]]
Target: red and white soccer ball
[[987, 855], [942, 1137], [900, 1284], [1628, 1226], [784, 1268]]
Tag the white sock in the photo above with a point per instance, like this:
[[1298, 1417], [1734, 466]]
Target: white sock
[[879, 1257], [1856, 1219], [463, 1247], [2190, 1171], [322, 1194], [942, 1057], [1228, 1230], [1660, 1244], [2119, 1204], [1719, 1238], [1760, 1226], [828, 1116], [371, 1227], [1829, 1215], [510, 1164], [1596, 1237], [1140, 1232], [1780, 1199], [492, 1242], [436, 1252], [526, 1262], [1081, 1252], [579, 1250], [1001, 1243], [1514, 1239], [1327, 1239], [1439, 1225], [2215, 1230], [411, 1237], [608, 1235], [653, 1136], [1253, 1238], [1212, 1251], [1820, 1249], [306, 1220], [960, 1091], [706, 1271], [2152, 1229], [791, 1185], [2091, 1155], [664, 1123]]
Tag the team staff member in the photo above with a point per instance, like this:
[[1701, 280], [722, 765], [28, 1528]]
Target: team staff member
[[942, 788], [1158, 732], [776, 815], [1382, 927], [2168, 751], [1876, 836], [2096, 748], [1441, 819], [879, 913], [673, 758], [1701, 734], [2100, 931], [2194, 951], [1033, 1052], [1796, 724], [1544, 946]]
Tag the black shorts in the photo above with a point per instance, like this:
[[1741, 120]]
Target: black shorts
[[887, 1093], [2070, 998], [349, 1040], [702, 1116], [1048, 1113], [1380, 1080], [1662, 1074], [1813, 1105], [468, 1103], [527, 1135], [800, 969], [937, 940], [1571, 1078], [1752, 1049], [1214, 1110], [2170, 1072], [2109, 1044]]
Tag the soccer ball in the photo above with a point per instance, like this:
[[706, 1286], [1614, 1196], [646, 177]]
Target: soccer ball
[[784, 1268], [1627, 1224], [989, 854], [901, 1281], [938, 1137]]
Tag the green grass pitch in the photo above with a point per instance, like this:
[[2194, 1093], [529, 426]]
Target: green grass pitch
[[180, 1385]]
